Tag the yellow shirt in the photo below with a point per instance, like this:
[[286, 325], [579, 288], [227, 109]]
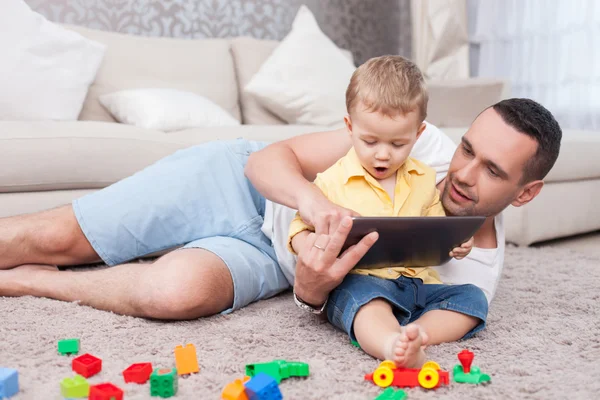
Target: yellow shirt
[[347, 184]]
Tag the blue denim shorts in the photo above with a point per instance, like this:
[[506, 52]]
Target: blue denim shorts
[[197, 197], [409, 298]]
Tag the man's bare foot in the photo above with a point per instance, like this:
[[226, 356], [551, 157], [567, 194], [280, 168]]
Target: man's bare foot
[[406, 348], [13, 282]]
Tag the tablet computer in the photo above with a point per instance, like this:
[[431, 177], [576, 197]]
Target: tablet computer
[[411, 241]]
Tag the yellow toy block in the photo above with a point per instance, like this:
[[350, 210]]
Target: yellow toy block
[[186, 360]]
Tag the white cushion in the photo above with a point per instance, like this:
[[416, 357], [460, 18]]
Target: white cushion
[[165, 109], [304, 80], [46, 69]]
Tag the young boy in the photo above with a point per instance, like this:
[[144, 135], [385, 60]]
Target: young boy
[[387, 102]]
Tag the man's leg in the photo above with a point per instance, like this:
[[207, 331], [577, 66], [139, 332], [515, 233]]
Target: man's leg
[[47, 237], [183, 284]]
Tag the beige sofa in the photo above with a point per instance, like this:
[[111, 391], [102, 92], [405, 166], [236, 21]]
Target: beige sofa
[[49, 163]]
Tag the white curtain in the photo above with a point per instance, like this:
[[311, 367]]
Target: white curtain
[[549, 50], [440, 40]]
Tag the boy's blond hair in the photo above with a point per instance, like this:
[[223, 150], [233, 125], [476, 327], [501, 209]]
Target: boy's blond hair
[[391, 85]]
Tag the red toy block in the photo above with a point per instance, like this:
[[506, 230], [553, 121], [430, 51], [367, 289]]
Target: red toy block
[[105, 391], [138, 373], [87, 365]]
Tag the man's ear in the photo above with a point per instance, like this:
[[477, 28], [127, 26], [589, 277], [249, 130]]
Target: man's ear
[[421, 129], [528, 193], [348, 123]]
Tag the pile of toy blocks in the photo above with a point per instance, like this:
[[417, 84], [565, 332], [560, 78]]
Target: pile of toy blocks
[[262, 380]]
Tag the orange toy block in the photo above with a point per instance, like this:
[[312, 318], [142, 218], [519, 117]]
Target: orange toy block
[[235, 391], [186, 360]]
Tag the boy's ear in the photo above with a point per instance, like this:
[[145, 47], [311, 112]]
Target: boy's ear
[[529, 192], [421, 129], [348, 123]]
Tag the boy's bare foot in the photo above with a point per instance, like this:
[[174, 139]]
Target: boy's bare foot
[[13, 282], [406, 348]]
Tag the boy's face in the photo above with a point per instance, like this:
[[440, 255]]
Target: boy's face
[[382, 143]]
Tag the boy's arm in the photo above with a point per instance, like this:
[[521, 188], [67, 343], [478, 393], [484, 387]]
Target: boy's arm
[[435, 209]]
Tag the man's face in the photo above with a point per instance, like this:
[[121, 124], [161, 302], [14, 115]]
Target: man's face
[[485, 173]]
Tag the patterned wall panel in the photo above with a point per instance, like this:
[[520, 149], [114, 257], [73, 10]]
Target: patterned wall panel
[[366, 27]]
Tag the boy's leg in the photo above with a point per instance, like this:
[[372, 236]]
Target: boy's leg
[[379, 334], [371, 310], [444, 326], [452, 312]]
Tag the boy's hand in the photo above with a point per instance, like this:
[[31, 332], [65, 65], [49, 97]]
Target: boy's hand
[[461, 252]]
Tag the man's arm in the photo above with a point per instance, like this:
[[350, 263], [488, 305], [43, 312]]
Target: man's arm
[[283, 172]]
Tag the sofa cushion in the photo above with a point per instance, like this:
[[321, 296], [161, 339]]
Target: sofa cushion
[[201, 66], [459, 102], [249, 54], [165, 109], [262, 133], [46, 70], [578, 158], [51, 155]]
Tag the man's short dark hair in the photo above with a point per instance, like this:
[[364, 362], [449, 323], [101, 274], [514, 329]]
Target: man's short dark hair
[[535, 121]]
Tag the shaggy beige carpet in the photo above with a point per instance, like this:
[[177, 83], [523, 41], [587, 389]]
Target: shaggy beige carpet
[[542, 341]]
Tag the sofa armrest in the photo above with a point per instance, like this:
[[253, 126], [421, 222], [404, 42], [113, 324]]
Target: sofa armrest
[[458, 102]]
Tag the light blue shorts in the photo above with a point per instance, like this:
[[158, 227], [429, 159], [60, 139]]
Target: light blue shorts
[[195, 198]]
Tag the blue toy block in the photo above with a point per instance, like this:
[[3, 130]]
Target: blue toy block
[[263, 387], [9, 382]]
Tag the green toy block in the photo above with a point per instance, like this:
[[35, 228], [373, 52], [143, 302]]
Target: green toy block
[[474, 377], [68, 346], [75, 388], [163, 382], [392, 394], [355, 343], [278, 369]]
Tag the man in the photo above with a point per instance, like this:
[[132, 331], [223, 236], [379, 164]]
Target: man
[[198, 198]]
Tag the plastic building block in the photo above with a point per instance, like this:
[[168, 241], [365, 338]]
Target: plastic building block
[[392, 394], [163, 382], [138, 373], [355, 343], [105, 391], [279, 369], [235, 390], [68, 346], [263, 387], [429, 377], [9, 382], [186, 360], [75, 388], [464, 373], [87, 365]]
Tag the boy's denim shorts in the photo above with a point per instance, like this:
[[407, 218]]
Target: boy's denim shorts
[[197, 197], [409, 297]]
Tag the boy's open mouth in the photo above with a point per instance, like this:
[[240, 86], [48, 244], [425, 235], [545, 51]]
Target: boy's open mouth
[[380, 169]]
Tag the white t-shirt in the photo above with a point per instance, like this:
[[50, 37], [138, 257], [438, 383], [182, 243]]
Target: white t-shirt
[[482, 267]]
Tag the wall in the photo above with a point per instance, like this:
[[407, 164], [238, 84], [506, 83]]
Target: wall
[[366, 27]]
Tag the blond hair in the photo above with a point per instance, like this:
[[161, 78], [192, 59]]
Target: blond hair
[[388, 84]]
